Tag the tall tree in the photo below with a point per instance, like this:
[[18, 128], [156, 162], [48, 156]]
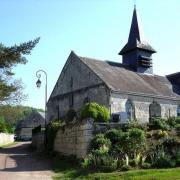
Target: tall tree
[[10, 89]]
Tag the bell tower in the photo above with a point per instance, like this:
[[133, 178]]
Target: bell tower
[[137, 53]]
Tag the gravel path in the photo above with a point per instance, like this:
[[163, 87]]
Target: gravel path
[[19, 163]]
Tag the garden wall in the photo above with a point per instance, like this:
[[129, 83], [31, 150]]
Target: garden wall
[[6, 138], [75, 139], [38, 140]]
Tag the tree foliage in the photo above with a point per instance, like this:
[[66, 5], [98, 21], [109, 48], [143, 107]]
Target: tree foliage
[[10, 89], [13, 114]]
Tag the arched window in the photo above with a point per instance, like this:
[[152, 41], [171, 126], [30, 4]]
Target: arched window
[[130, 110], [178, 110], [154, 110]]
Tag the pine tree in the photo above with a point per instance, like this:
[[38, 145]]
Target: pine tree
[[10, 89]]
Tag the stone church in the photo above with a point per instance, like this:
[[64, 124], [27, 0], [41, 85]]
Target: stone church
[[129, 89]]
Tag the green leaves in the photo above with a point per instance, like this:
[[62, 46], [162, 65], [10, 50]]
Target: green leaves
[[10, 57], [98, 112]]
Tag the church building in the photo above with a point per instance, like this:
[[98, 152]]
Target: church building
[[129, 89]]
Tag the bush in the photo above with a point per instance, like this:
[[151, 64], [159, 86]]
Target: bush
[[126, 168], [135, 124], [177, 127], [100, 141], [104, 163], [114, 135], [93, 110], [160, 123], [146, 166], [171, 121], [177, 120], [164, 162]]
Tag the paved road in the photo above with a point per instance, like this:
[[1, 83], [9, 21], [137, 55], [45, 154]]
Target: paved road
[[20, 163]]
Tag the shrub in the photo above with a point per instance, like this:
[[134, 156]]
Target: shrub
[[105, 163], [177, 127], [171, 144], [146, 165], [160, 123], [177, 157], [109, 163], [177, 120], [126, 168], [100, 141], [162, 159], [87, 162], [137, 139], [171, 121], [135, 124], [114, 135], [93, 110], [164, 162]]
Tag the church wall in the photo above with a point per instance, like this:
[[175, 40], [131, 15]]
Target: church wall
[[141, 105], [79, 81], [98, 94], [74, 75]]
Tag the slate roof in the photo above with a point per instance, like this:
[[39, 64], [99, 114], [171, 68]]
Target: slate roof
[[34, 119], [120, 78]]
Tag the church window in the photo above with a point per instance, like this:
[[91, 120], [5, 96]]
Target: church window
[[178, 111], [154, 110], [130, 110]]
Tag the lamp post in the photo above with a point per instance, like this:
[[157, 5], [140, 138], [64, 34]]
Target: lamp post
[[38, 84]]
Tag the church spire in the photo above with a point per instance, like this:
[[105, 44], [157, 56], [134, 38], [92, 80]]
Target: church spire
[[136, 36], [137, 52]]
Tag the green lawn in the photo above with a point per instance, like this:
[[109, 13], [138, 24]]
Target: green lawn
[[65, 170]]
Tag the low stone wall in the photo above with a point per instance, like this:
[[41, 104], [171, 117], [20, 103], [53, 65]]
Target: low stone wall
[[74, 139], [38, 140], [6, 138]]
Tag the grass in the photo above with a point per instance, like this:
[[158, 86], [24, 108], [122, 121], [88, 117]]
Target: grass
[[8, 145], [69, 169]]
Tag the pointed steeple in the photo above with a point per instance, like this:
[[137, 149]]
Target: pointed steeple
[[136, 36], [137, 50]]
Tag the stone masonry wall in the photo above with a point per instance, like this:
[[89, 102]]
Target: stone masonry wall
[[141, 105], [74, 139], [6, 138], [70, 83]]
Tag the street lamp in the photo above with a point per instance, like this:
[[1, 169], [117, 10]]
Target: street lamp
[[38, 84]]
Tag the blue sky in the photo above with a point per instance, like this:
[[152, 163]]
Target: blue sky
[[92, 28]]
